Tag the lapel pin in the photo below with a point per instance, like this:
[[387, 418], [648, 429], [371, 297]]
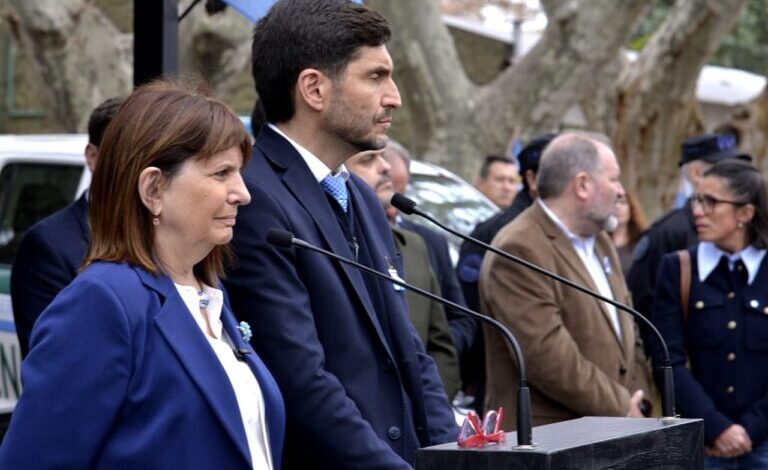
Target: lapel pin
[[394, 275], [607, 265], [245, 331]]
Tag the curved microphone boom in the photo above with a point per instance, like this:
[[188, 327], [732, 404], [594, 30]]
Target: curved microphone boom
[[408, 206], [286, 239]]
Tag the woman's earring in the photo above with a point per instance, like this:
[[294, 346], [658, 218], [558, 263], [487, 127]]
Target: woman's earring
[[740, 224], [156, 220]]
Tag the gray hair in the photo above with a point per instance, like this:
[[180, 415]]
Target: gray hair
[[564, 157], [397, 148]]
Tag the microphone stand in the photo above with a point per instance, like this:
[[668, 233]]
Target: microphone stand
[[408, 206], [524, 423]]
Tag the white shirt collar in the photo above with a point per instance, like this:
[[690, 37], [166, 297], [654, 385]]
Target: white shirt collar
[[585, 249], [587, 242], [316, 166], [708, 256]]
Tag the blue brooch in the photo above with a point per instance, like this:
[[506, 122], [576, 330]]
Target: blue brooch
[[245, 331]]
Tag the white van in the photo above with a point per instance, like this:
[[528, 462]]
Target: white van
[[39, 175]]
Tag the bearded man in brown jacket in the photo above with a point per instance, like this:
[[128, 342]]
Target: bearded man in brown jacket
[[584, 357]]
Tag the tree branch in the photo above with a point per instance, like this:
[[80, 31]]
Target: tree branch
[[81, 54], [655, 98], [582, 39]]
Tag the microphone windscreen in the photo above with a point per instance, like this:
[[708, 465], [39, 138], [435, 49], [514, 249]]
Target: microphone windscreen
[[279, 237], [403, 204]]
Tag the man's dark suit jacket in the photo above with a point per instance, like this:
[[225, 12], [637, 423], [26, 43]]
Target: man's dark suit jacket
[[48, 258], [354, 399]]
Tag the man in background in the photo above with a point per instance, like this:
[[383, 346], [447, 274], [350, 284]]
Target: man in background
[[359, 389], [498, 180], [463, 327], [583, 355], [471, 256], [51, 252], [427, 316]]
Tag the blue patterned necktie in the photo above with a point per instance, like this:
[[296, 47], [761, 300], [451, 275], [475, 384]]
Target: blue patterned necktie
[[336, 187]]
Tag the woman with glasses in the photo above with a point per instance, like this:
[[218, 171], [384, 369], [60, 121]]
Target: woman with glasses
[[723, 332]]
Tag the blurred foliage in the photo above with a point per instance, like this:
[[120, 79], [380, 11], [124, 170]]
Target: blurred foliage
[[746, 47]]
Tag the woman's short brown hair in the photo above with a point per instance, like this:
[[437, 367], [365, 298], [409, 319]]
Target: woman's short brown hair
[[161, 124], [637, 221]]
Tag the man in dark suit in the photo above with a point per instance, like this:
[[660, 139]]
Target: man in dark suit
[[51, 252], [360, 391]]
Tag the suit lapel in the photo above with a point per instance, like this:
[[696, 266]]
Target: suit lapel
[[615, 280], [564, 247], [194, 353], [273, 405], [80, 210], [308, 192]]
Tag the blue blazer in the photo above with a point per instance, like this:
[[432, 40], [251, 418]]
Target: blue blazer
[[346, 388], [119, 375], [47, 260], [725, 340]]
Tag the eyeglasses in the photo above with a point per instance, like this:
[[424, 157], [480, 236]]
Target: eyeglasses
[[708, 202], [473, 433]]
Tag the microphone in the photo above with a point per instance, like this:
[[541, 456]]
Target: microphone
[[408, 206], [286, 239]]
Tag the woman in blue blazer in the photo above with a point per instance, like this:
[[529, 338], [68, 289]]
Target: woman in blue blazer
[[724, 332], [139, 363]]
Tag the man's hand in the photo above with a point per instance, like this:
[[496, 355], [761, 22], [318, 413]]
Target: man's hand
[[733, 442], [634, 405]]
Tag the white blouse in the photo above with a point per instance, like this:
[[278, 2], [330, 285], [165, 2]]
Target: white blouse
[[247, 390]]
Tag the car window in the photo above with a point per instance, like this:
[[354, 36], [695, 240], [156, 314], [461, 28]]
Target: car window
[[453, 202], [28, 193]]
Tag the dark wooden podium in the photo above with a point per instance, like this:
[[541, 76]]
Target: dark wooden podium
[[585, 443]]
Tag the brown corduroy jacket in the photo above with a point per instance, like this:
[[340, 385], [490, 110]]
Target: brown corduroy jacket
[[576, 364]]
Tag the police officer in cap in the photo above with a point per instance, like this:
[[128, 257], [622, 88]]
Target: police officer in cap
[[471, 256], [676, 230]]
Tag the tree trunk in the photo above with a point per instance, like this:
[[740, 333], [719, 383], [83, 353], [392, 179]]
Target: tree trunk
[[81, 56], [452, 122], [655, 97], [645, 106]]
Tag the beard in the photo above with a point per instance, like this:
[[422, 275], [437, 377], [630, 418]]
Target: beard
[[354, 128], [610, 223], [600, 222], [384, 191]]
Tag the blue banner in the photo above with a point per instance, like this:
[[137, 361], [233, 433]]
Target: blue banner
[[255, 9]]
